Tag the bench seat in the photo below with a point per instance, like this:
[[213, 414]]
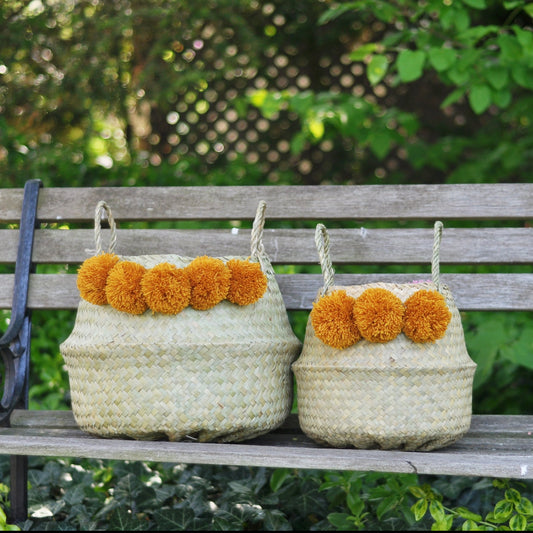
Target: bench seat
[[487, 239], [495, 446]]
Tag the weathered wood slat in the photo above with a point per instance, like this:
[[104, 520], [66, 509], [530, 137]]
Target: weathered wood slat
[[291, 246], [472, 292], [519, 426], [482, 452], [494, 201]]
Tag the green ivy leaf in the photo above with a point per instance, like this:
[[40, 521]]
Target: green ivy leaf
[[278, 477], [441, 58], [453, 97], [503, 511], [479, 98], [419, 509], [355, 504], [465, 513], [387, 504], [520, 350], [380, 144], [340, 521], [443, 525], [461, 20], [525, 38], [518, 523], [502, 98], [301, 102], [298, 142], [522, 75], [458, 76], [525, 507], [410, 64], [497, 76], [417, 492], [377, 68], [316, 128], [362, 51], [437, 511], [510, 47], [470, 525], [512, 495]]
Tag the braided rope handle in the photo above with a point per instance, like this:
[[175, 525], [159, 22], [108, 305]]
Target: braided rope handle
[[101, 209], [322, 246], [435, 258], [257, 246]]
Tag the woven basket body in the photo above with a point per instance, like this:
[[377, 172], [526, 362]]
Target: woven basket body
[[394, 395], [217, 375]]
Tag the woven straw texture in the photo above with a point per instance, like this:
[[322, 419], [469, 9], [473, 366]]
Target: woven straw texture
[[395, 395], [217, 375]]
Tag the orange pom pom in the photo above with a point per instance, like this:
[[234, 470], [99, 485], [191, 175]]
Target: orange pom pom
[[210, 280], [123, 287], [166, 289], [426, 316], [92, 277], [379, 315], [248, 282], [333, 321]]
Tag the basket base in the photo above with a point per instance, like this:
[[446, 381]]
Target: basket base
[[407, 443]]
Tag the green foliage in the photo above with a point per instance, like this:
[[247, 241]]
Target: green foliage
[[132, 496], [4, 504], [500, 343], [486, 60], [513, 512], [326, 115], [373, 501], [49, 383], [476, 56]]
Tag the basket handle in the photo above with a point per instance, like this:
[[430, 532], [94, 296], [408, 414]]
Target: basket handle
[[102, 208], [322, 246], [435, 258], [257, 246]]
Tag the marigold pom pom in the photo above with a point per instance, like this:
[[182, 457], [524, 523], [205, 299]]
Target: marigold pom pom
[[92, 277], [333, 321], [123, 287], [248, 282], [379, 315], [166, 289], [210, 279], [426, 316]]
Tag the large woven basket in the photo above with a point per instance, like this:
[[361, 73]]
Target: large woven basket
[[222, 374], [387, 395]]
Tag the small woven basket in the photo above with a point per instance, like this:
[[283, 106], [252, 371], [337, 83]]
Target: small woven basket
[[395, 395], [222, 374]]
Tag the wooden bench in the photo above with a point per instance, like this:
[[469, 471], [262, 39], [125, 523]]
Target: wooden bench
[[397, 222]]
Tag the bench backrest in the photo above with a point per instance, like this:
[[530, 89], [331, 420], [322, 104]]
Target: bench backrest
[[370, 227]]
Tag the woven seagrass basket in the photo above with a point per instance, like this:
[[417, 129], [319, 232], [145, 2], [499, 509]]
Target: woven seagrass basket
[[399, 394], [221, 374]]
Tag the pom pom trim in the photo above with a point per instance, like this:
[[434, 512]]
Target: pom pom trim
[[377, 315], [167, 289]]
